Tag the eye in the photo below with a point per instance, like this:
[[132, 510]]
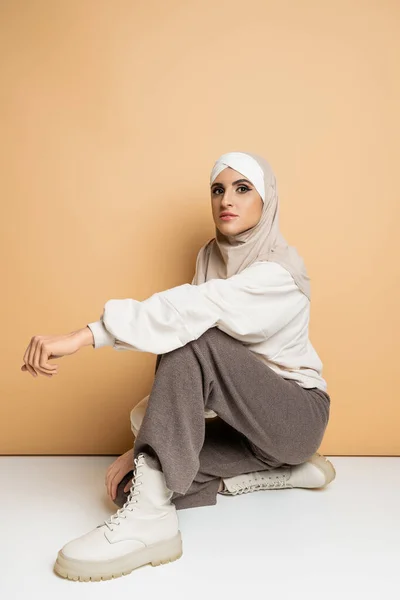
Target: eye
[[243, 187]]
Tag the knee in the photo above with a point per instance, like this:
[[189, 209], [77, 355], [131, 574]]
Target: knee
[[212, 337], [211, 334]]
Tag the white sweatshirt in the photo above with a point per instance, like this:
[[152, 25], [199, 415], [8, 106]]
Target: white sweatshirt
[[261, 306]]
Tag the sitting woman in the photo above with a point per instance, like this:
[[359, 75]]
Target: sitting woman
[[238, 401]]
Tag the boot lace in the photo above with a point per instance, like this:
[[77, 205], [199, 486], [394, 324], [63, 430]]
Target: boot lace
[[121, 513], [266, 483]]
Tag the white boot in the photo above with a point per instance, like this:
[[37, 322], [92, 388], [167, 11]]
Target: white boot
[[316, 472], [145, 530]]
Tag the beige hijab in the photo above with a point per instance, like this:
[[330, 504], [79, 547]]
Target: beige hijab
[[226, 255]]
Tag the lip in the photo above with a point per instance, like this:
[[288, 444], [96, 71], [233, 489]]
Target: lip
[[227, 217]]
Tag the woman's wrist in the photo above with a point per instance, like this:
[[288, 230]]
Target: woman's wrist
[[85, 336]]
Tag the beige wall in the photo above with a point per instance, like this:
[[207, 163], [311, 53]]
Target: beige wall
[[112, 116]]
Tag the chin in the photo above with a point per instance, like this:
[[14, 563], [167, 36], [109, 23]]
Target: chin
[[226, 230]]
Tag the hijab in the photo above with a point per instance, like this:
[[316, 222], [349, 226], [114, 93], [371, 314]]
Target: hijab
[[227, 255]]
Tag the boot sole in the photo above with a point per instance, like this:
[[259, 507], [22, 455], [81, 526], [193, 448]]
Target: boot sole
[[156, 554], [324, 465]]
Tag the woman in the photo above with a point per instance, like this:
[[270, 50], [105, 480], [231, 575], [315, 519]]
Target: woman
[[232, 345]]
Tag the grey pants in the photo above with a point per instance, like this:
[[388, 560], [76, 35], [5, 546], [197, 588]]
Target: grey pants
[[264, 421]]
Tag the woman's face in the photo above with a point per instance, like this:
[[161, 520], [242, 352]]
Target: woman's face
[[238, 197]]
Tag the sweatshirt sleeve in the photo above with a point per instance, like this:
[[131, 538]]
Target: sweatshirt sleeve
[[253, 305]]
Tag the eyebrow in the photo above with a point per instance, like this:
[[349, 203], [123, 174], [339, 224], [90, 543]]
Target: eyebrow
[[233, 182]]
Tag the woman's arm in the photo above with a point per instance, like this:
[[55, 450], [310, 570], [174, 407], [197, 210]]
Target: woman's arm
[[43, 348], [256, 302], [252, 305], [86, 336]]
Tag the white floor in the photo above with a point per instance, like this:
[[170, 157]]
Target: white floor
[[342, 541]]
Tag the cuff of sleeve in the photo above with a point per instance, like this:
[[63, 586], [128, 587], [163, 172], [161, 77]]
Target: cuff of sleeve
[[101, 336]]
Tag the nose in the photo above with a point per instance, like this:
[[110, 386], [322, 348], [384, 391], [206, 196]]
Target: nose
[[226, 200]]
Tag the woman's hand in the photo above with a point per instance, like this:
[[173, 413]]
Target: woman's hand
[[43, 348], [117, 471]]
